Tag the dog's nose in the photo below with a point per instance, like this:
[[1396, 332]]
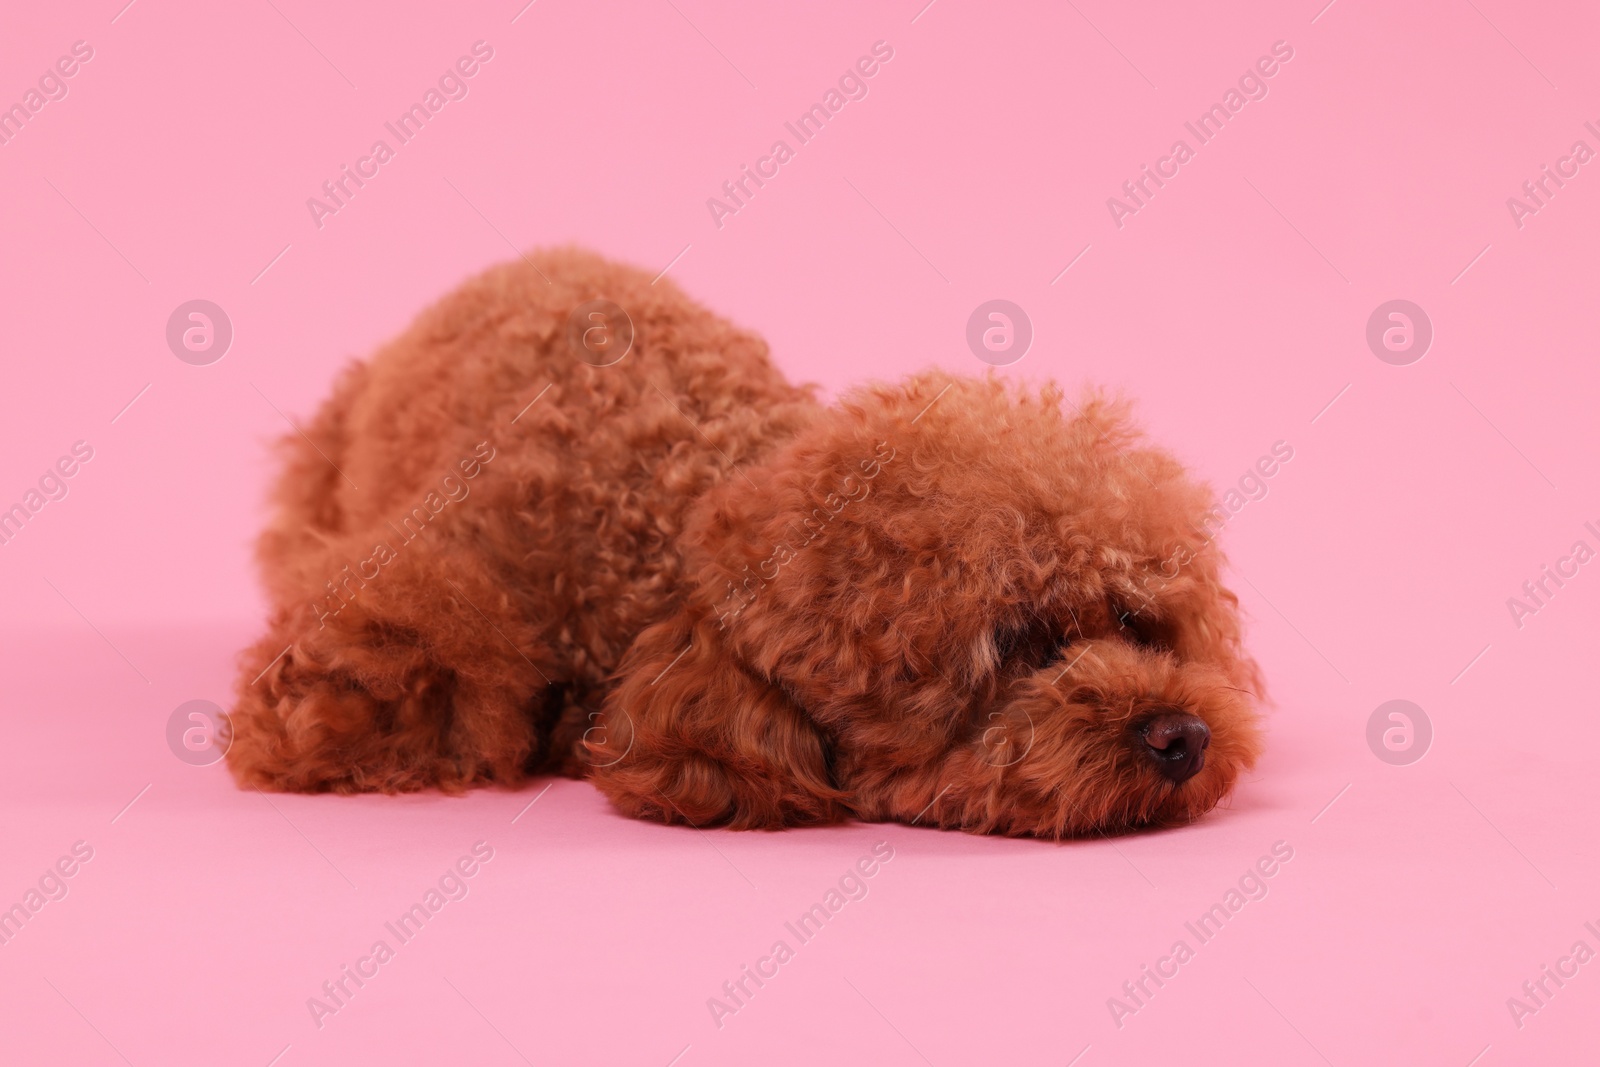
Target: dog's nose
[[1177, 742]]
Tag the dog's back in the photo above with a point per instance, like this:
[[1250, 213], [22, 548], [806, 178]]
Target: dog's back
[[515, 454]]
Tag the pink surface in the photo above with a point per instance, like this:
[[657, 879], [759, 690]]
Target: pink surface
[[1233, 304]]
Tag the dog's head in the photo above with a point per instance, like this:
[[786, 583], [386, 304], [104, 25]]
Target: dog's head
[[947, 601]]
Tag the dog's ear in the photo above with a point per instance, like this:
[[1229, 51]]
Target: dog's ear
[[689, 733]]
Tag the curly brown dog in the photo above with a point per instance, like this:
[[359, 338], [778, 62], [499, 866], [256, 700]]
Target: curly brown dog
[[520, 541]]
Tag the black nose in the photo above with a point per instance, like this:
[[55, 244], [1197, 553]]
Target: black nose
[[1177, 742]]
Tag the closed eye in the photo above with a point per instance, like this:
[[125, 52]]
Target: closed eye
[[1140, 627], [1029, 646]]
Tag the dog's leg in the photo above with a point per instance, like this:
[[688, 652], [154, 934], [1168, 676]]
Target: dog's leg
[[404, 688], [690, 735], [570, 716]]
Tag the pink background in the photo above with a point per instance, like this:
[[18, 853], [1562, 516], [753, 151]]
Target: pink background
[[1233, 307]]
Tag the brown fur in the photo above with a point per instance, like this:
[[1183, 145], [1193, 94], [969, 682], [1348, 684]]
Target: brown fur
[[941, 601]]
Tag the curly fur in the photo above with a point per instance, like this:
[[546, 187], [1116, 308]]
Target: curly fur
[[942, 601]]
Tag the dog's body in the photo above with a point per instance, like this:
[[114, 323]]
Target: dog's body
[[941, 601]]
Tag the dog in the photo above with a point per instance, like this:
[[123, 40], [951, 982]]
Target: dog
[[571, 522]]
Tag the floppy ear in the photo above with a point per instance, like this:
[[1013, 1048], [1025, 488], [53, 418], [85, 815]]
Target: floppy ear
[[689, 733]]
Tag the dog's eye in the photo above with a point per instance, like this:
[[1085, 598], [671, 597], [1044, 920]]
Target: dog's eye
[[1139, 627], [1031, 645]]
